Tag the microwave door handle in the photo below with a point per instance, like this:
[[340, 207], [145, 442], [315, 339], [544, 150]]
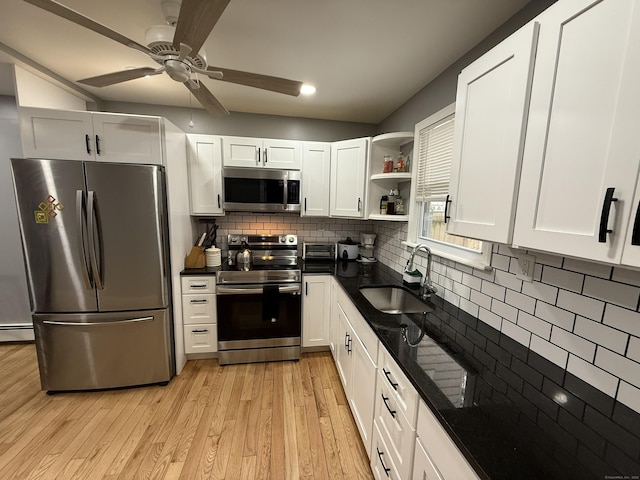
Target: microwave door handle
[[286, 190]]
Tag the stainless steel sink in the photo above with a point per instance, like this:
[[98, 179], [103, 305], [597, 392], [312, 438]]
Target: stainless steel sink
[[392, 299]]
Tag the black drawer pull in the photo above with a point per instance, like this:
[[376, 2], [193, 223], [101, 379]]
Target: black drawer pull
[[200, 331], [446, 209], [198, 285], [387, 374], [200, 301], [87, 141], [604, 217], [385, 400], [380, 454], [98, 145]]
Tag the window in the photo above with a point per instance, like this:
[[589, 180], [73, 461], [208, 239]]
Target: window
[[433, 147]]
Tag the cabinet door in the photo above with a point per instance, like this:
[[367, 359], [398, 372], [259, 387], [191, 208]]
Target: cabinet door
[[282, 154], [316, 310], [241, 152], [316, 164], [363, 391], [334, 322], [581, 140], [127, 138], [423, 467], [491, 111], [205, 174], [348, 169], [56, 134], [344, 348]]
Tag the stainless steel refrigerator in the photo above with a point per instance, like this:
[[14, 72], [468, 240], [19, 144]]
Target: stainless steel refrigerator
[[95, 242]]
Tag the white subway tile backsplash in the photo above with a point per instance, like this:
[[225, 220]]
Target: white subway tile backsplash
[[452, 298], [623, 275], [453, 274], [548, 350], [541, 291], [504, 310], [629, 395], [500, 262], [534, 325], [633, 352], [520, 301], [588, 268], [508, 280], [537, 272], [622, 319], [493, 290], [612, 292], [601, 334], [519, 334], [555, 315], [545, 259], [597, 377], [562, 278], [490, 318], [618, 365], [585, 306], [462, 290], [574, 344], [480, 299], [471, 281], [488, 275], [469, 307]]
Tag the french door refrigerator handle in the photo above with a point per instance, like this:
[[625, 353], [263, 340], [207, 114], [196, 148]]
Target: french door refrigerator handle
[[94, 231], [96, 324], [82, 232]]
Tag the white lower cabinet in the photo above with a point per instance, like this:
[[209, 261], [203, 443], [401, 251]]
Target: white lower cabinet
[[316, 310], [443, 459], [199, 316], [382, 465]]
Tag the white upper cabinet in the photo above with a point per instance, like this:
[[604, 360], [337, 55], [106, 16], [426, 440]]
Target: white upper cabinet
[[491, 112], [106, 137], [582, 149], [348, 171], [261, 153], [205, 174], [316, 164]]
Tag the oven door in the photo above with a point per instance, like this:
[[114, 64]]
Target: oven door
[[258, 315]]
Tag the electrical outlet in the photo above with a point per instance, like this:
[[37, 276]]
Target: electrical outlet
[[526, 264]]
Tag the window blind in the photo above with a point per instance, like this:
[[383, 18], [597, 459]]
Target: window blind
[[435, 145]]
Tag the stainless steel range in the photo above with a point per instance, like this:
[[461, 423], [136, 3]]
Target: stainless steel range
[[259, 311]]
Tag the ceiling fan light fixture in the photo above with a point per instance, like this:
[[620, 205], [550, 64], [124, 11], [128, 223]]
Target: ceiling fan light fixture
[[177, 70], [307, 89]]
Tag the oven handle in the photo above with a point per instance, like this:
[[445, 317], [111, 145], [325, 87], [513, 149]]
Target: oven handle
[[252, 289]]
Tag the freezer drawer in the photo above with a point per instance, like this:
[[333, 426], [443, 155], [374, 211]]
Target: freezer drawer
[[103, 350]]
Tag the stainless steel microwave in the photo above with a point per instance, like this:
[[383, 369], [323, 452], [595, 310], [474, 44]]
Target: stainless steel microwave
[[261, 190]]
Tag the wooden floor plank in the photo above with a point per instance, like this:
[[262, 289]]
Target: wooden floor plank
[[271, 421]]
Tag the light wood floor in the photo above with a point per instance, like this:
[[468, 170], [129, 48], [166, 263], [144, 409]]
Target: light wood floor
[[283, 420]]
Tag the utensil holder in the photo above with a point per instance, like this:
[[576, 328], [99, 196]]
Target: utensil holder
[[195, 259]]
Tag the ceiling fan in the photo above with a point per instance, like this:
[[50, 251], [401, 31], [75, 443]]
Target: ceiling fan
[[179, 55]]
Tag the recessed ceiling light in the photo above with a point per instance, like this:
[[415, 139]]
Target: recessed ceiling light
[[307, 89]]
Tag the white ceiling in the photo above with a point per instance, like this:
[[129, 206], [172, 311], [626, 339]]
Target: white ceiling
[[366, 57]]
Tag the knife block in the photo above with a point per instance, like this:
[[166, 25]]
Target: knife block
[[195, 259]]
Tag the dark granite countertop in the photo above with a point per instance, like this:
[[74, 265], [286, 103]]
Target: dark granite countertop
[[520, 416]]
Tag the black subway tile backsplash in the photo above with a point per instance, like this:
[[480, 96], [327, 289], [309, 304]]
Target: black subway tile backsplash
[[590, 395], [562, 397], [531, 376]]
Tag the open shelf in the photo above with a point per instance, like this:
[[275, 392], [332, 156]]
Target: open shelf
[[396, 176], [389, 218]]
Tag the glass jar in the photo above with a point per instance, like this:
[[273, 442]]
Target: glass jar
[[399, 206], [400, 164], [383, 205], [387, 166]]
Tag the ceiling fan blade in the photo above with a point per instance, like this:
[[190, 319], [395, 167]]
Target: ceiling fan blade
[[264, 82], [197, 19], [210, 103], [79, 19], [118, 77]]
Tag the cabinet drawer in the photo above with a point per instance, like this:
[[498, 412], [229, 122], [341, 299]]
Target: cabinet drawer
[[399, 434], [402, 391], [199, 284], [382, 464], [423, 468], [444, 454], [202, 338], [199, 309]]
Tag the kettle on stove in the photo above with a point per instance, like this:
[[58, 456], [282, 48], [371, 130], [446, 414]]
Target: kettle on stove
[[244, 258]]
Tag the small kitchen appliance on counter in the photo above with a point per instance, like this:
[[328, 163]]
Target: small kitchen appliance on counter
[[348, 249], [367, 248], [259, 309], [318, 251]]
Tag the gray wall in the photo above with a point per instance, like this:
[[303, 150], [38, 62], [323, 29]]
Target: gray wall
[[442, 90], [250, 124]]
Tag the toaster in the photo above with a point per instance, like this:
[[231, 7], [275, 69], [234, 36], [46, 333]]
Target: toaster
[[318, 251]]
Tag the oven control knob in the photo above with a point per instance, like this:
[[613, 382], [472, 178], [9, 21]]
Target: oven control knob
[[282, 239], [234, 239], [290, 239]]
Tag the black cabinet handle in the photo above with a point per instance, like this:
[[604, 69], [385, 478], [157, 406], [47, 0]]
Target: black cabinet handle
[[306, 289], [380, 454], [359, 204], [218, 200], [387, 374], [199, 331], [98, 145], [604, 217], [385, 400], [265, 156], [635, 234], [86, 142], [305, 204], [446, 209], [259, 152], [346, 339], [199, 301], [349, 346]]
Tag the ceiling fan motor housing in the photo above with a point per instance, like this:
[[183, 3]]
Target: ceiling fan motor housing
[[159, 39]]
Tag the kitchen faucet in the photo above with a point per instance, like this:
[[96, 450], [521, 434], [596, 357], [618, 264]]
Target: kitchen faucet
[[427, 289]]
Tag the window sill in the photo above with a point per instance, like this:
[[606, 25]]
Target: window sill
[[480, 265]]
